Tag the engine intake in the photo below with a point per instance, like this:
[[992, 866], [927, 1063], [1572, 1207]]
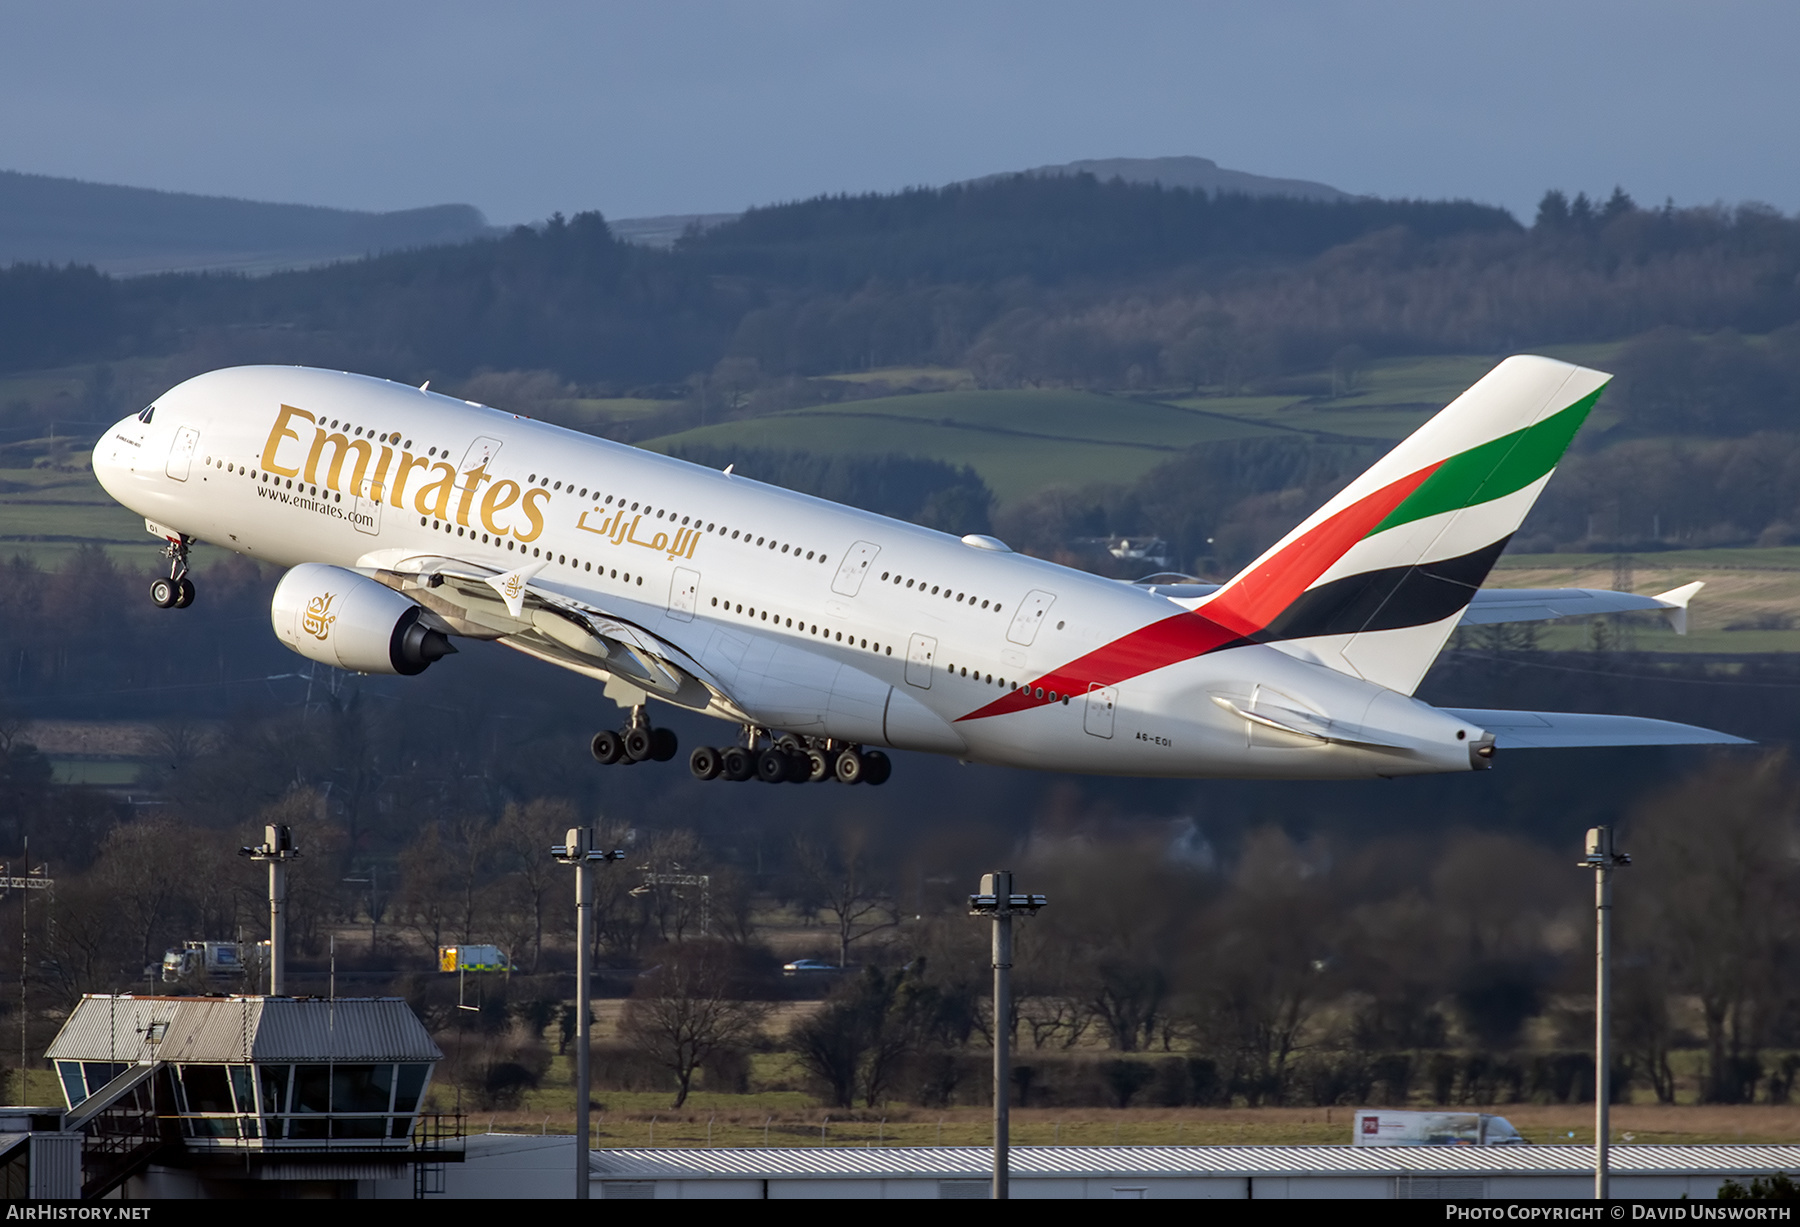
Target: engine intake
[[340, 618]]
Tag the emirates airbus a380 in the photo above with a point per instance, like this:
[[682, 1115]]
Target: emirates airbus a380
[[408, 520]]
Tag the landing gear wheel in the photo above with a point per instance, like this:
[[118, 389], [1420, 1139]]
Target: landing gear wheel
[[184, 592], [164, 593], [704, 763], [637, 744], [607, 748], [818, 767], [772, 766], [663, 745], [877, 767], [735, 764], [851, 769]]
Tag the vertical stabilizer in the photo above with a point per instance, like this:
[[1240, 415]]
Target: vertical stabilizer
[[1373, 582]]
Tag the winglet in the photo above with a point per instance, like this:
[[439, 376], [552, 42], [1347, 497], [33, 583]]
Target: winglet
[[1675, 600], [513, 584]]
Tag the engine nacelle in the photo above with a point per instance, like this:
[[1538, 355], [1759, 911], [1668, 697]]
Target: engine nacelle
[[338, 617]]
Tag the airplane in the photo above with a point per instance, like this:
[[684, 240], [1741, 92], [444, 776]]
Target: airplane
[[408, 520]]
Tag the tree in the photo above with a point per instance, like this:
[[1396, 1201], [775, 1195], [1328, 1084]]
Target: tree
[[1262, 960], [840, 881], [690, 1008], [527, 832], [860, 1042], [1712, 897]]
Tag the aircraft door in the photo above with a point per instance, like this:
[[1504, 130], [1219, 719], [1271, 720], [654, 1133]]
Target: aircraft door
[[921, 651], [1031, 613], [181, 453], [365, 507], [481, 452], [684, 594], [1098, 719], [855, 565]]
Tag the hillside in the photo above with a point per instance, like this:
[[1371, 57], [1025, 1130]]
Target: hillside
[[130, 231], [1196, 174]]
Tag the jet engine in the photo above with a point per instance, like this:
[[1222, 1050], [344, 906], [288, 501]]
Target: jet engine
[[340, 618]]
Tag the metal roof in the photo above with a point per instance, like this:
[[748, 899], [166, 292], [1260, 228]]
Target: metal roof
[[969, 1162], [311, 1029]]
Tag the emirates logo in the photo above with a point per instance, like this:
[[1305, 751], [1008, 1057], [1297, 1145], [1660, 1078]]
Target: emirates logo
[[317, 619]]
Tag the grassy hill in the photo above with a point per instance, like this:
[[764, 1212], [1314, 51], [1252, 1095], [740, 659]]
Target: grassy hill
[[1019, 441], [1022, 441]]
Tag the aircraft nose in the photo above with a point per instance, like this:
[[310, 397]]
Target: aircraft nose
[[108, 461]]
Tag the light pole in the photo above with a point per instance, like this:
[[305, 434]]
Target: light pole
[[577, 849], [998, 901], [1602, 857], [278, 849]]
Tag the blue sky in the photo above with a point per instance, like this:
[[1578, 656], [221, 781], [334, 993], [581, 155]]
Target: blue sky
[[673, 107]]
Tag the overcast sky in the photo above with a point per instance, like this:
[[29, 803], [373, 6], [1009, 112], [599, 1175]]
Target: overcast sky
[[637, 109]]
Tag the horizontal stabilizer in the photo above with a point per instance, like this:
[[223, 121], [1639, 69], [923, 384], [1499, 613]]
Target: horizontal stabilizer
[[1494, 605], [1553, 730]]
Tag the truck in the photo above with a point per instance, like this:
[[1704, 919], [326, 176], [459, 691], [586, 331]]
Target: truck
[[472, 958], [1386, 1127], [218, 960]]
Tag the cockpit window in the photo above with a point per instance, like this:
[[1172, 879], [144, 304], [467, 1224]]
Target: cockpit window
[[148, 412]]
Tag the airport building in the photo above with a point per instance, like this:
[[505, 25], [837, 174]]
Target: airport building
[[254, 1097], [236, 1096]]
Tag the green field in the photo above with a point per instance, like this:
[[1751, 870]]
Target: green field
[[1019, 441], [1023, 441], [1393, 396], [943, 376], [48, 514], [589, 412]]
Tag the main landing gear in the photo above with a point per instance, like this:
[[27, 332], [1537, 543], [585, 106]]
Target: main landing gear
[[637, 742], [177, 591], [791, 760]]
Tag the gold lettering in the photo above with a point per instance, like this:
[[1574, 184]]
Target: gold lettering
[[379, 483], [408, 462], [340, 445], [475, 476], [533, 512], [499, 496], [438, 503], [280, 432]]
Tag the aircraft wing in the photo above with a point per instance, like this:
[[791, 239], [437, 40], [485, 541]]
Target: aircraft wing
[[1492, 605], [483, 603], [1552, 730]]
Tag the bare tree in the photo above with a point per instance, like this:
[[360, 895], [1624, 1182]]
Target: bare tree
[[842, 882], [1262, 967], [527, 833], [690, 1008], [142, 868], [1713, 896]]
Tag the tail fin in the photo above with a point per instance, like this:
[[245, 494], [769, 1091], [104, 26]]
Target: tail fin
[[1377, 578]]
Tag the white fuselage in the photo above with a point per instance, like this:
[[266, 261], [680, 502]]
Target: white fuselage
[[813, 617]]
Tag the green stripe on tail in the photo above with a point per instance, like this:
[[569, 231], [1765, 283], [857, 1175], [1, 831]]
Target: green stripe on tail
[[1494, 469]]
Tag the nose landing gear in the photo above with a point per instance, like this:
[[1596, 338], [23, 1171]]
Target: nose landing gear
[[177, 591]]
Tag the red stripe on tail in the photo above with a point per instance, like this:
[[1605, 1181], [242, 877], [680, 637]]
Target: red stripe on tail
[[1239, 610]]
